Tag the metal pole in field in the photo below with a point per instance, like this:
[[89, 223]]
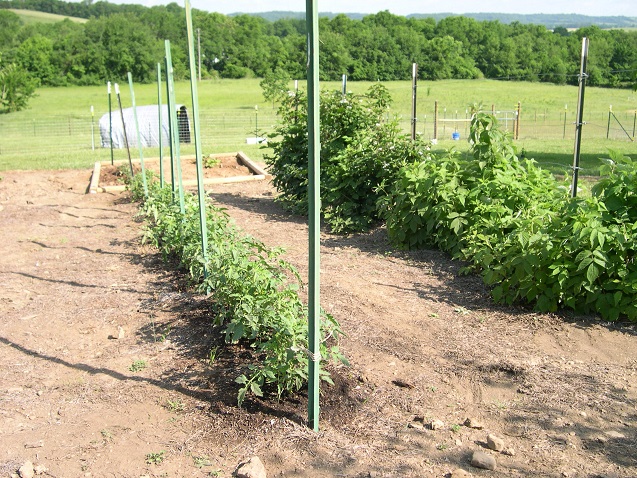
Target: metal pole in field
[[174, 130], [517, 121], [195, 126], [580, 113], [121, 113], [414, 88], [564, 131], [139, 137], [314, 193], [160, 127], [92, 128], [110, 120], [610, 112], [344, 85], [436, 120]]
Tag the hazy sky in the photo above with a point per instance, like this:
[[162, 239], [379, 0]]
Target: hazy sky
[[404, 7]]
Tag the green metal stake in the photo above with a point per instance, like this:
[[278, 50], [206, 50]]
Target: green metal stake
[[160, 127], [139, 138], [110, 120], [171, 143], [195, 125], [121, 114], [174, 132], [314, 153]]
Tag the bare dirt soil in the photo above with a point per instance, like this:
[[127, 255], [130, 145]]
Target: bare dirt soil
[[217, 167], [107, 371]]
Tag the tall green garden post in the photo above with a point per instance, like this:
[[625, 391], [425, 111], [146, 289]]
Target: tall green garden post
[[121, 114], [110, 120], [160, 128], [139, 138], [174, 129], [314, 154], [195, 125], [171, 145]]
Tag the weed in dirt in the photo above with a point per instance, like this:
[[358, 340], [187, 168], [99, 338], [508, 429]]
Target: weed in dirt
[[138, 366], [201, 461], [106, 434], [455, 428], [155, 458], [212, 356], [210, 162], [175, 405]]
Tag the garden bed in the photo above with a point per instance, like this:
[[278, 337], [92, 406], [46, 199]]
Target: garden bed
[[218, 168]]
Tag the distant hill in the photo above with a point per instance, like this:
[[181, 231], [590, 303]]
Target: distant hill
[[566, 20], [33, 16], [273, 16]]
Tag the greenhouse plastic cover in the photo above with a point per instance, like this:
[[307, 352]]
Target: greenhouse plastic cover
[[148, 119]]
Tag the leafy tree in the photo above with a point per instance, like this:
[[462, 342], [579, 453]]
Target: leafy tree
[[16, 88], [275, 85], [10, 23]]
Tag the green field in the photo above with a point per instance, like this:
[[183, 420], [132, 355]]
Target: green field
[[33, 16], [57, 130]]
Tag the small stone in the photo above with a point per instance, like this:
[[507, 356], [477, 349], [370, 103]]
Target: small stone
[[458, 442], [416, 425], [473, 423], [495, 443], [509, 451], [40, 469], [253, 468], [615, 434], [39, 393], [460, 473], [120, 332], [437, 424], [26, 470], [583, 414], [483, 460]]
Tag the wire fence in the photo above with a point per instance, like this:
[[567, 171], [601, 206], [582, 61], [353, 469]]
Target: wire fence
[[67, 136], [32, 140]]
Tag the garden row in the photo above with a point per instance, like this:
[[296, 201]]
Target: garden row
[[511, 221], [253, 292]]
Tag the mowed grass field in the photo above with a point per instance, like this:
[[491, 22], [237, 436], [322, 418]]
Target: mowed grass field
[[58, 131], [33, 16]]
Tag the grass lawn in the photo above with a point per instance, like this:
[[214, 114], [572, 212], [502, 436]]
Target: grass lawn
[[33, 16], [57, 130]]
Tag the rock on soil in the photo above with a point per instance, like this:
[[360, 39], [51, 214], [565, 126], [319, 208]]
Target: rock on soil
[[253, 468], [483, 460]]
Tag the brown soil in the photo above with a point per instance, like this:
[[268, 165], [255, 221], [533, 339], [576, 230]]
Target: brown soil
[[228, 166], [425, 344]]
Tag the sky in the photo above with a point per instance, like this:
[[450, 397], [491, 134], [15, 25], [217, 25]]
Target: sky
[[405, 7]]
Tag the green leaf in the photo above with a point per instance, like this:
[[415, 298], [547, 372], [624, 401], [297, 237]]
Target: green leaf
[[256, 389], [592, 273]]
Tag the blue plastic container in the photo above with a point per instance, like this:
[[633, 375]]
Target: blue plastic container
[[455, 136]]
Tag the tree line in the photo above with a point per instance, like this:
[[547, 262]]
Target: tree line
[[121, 38]]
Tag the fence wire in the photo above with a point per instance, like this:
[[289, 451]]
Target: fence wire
[[227, 130]]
